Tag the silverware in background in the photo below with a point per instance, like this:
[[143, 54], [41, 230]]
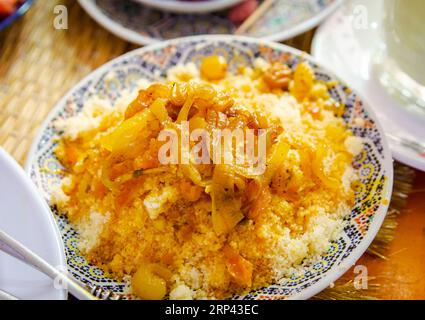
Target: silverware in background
[[415, 146], [22, 253], [6, 296]]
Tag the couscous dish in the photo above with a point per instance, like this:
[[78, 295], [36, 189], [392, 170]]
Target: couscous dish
[[204, 228]]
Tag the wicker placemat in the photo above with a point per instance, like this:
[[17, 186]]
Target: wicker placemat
[[39, 64]]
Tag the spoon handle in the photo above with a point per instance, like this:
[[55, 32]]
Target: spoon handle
[[20, 252], [6, 296]]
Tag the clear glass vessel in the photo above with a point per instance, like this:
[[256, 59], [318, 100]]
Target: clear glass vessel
[[400, 62]]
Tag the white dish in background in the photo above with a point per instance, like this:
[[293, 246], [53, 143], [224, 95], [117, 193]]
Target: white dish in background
[[349, 52], [142, 25], [190, 6], [26, 217]]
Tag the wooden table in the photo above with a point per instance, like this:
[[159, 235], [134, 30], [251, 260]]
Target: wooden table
[[402, 276], [38, 64]]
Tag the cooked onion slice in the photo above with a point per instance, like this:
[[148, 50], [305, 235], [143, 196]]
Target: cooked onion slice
[[226, 206]]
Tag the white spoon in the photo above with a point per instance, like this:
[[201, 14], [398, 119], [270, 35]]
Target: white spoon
[[22, 253], [6, 296]]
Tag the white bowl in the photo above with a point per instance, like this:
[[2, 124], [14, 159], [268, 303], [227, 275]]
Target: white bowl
[[25, 216], [190, 6]]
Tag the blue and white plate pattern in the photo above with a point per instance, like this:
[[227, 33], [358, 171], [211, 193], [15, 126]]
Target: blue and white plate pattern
[[374, 164]]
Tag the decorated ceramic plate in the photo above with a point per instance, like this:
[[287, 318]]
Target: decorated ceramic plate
[[190, 6], [373, 164], [143, 25], [7, 18]]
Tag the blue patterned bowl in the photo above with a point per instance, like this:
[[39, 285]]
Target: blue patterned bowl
[[23, 7], [373, 165]]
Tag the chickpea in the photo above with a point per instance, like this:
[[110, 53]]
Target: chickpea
[[148, 286], [214, 68]]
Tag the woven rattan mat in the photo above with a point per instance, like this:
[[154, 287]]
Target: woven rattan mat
[[39, 64]]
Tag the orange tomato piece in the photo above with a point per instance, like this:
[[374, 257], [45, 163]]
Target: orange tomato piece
[[253, 190], [261, 203], [99, 190], [238, 267], [7, 6], [119, 169], [71, 154], [146, 164], [127, 193], [190, 192]]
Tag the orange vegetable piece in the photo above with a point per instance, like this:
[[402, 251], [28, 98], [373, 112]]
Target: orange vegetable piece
[[253, 190], [7, 7], [99, 190], [147, 285], [261, 203], [71, 154], [190, 192], [141, 102], [239, 268], [126, 194], [146, 164]]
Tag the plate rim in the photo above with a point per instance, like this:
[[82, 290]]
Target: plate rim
[[189, 7], [113, 27], [136, 38], [306, 25], [387, 162], [27, 183]]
